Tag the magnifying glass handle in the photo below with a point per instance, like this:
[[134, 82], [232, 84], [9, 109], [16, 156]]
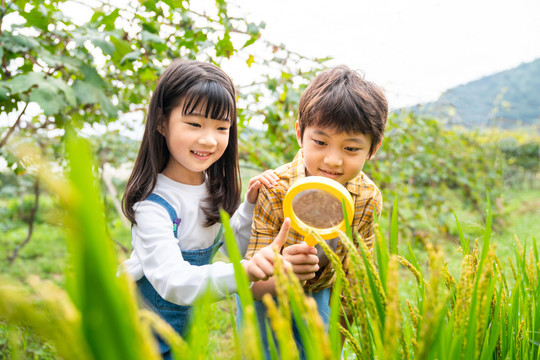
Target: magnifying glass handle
[[310, 240]]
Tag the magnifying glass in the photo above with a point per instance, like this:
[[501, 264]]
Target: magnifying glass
[[314, 205]]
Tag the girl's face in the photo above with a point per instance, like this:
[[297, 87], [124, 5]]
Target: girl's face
[[195, 142]]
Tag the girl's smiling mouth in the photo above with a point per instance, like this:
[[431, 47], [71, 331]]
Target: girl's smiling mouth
[[201, 154]]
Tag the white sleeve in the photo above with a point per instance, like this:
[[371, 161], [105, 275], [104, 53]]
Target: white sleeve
[[174, 279], [241, 225]]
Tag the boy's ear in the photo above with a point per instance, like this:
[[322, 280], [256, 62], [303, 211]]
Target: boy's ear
[[298, 134], [375, 151]]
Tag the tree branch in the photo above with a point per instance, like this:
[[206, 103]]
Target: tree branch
[[12, 128], [31, 221]]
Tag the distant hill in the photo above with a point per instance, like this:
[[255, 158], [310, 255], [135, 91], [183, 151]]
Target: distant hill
[[507, 99]]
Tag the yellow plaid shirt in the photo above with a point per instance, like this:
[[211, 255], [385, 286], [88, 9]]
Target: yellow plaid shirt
[[268, 216]]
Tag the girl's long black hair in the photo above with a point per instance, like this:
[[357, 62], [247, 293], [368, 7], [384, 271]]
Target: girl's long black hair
[[190, 84]]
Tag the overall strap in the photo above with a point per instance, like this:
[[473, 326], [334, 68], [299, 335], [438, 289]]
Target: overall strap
[[172, 213]]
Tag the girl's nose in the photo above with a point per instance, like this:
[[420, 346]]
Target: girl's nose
[[208, 140]]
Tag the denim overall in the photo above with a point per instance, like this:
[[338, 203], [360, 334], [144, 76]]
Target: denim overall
[[177, 316]]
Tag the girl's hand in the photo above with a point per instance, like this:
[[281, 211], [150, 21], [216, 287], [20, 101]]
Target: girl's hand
[[261, 265], [304, 260], [267, 178]]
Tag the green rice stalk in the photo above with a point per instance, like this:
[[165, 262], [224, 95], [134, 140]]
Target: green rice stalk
[[53, 317], [179, 347], [405, 353], [392, 325], [354, 344], [333, 329], [282, 328], [394, 228], [309, 323], [464, 242], [413, 314], [375, 283], [417, 274], [353, 294], [251, 338], [519, 339], [108, 310], [432, 313]]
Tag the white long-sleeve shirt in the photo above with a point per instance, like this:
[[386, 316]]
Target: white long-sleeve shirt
[[156, 252]]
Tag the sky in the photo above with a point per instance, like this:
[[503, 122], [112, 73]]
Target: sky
[[414, 49]]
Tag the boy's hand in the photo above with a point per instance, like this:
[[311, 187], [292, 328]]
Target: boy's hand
[[267, 178], [304, 260], [261, 265]]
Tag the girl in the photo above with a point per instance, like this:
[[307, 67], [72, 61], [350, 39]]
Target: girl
[[186, 170]]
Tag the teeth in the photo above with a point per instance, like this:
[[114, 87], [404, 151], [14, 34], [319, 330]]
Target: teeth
[[331, 172], [198, 153]]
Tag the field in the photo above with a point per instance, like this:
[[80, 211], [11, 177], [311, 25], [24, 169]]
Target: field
[[46, 256]]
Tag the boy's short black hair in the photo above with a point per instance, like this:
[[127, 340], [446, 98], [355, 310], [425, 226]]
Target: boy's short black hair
[[340, 98]]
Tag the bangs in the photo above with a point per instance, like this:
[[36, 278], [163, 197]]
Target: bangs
[[211, 100], [341, 114]]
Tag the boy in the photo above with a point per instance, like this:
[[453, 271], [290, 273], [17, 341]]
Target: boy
[[341, 121]]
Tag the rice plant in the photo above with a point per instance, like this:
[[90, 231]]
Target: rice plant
[[490, 310]]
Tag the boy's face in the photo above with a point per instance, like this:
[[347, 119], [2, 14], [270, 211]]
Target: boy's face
[[338, 156]]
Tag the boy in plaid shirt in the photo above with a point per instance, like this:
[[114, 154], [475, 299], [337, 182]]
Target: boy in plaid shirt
[[341, 121]]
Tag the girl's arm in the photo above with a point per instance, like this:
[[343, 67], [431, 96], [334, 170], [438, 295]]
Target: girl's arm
[[158, 257], [242, 218]]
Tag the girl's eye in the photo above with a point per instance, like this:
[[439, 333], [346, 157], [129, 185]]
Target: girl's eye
[[319, 142], [223, 128], [194, 124], [352, 149]]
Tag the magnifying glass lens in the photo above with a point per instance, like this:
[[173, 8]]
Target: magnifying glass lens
[[317, 208]]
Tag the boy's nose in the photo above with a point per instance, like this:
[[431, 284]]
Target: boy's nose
[[333, 159]]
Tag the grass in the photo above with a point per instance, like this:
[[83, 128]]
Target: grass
[[45, 255]]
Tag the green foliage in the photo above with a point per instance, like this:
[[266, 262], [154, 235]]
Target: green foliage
[[421, 162]]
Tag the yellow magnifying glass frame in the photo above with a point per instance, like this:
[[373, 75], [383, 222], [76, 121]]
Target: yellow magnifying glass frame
[[317, 183]]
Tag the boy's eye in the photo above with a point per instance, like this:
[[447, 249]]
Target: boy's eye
[[319, 142]]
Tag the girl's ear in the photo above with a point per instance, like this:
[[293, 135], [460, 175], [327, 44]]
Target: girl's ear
[[161, 123], [375, 151], [298, 134]]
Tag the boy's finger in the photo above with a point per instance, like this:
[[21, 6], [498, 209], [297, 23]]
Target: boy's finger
[[303, 259], [281, 238], [297, 249], [305, 269]]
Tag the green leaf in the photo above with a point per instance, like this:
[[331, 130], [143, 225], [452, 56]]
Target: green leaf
[[132, 56], [46, 95], [68, 91], [224, 46], [92, 77], [36, 18], [23, 82], [150, 37], [4, 91], [122, 48], [105, 45], [87, 93], [20, 43]]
